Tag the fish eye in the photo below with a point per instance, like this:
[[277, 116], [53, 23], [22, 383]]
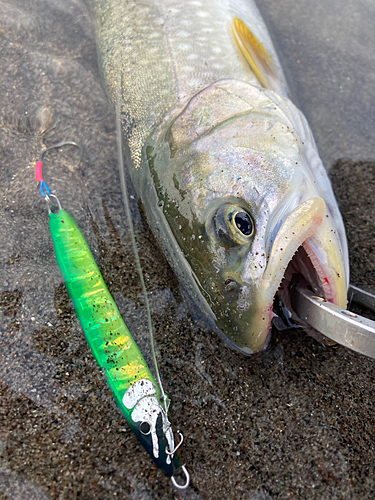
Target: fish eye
[[145, 428], [230, 225]]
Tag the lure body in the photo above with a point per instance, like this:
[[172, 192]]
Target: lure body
[[135, 390]]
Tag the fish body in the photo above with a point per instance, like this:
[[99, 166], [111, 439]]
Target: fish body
[[225, 164]]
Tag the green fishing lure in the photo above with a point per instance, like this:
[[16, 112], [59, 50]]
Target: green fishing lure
[[139, 397], [135, 390]]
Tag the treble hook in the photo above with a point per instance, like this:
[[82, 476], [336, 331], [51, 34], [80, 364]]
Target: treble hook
[[44, 190]]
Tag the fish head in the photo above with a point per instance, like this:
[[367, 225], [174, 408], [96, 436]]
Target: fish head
[[245, 210]]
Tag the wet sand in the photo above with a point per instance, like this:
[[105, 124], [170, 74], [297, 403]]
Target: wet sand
[[296, 421]]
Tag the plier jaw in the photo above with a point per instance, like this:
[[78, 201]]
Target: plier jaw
[[340, 325]]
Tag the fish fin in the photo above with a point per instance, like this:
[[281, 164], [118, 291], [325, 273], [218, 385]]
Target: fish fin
[[256, 56]]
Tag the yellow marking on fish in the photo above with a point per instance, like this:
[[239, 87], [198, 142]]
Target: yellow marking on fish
[[254, 53]]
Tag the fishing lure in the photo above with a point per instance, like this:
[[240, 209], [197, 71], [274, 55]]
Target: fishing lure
[[139, 397]]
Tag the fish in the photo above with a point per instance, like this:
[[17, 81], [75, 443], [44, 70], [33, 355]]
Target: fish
[[225, 164]]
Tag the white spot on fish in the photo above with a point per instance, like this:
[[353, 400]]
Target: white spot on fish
[[183, 34], [185, 22], [174, 10], [153, 35], [159, 21], [195, 82], [202, 13], [218, 65], [184, 46], [192, 56]]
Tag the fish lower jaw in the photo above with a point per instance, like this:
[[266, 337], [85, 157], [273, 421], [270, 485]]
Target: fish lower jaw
[[307, 269], [277, 301]]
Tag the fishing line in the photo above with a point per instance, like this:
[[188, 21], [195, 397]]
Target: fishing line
[[132, 235]]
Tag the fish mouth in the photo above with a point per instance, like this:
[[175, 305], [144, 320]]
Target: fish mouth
[[302, 269], [306, 248]]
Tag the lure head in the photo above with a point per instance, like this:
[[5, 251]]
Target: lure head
[[239, 199], [151, 425]]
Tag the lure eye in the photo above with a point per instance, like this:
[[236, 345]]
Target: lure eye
[[145, 428], [230, 225]]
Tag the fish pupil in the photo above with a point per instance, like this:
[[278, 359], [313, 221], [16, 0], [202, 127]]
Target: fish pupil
[[243, 223]]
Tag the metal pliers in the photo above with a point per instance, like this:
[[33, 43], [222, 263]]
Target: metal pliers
[[341, 325]]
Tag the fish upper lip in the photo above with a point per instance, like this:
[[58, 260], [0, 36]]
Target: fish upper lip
[[296, 229]]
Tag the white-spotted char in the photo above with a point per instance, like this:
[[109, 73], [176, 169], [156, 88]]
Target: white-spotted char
[[225, 164]]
